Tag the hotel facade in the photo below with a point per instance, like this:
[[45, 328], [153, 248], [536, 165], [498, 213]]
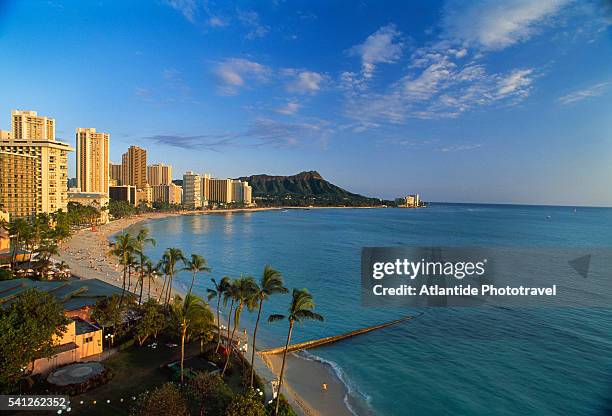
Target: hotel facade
[[93, 160], [159, 174], [34, 135], [134, 167]]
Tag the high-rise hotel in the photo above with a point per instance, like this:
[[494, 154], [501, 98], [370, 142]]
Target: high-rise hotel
[[33, 135], [134, 167], [92, 160], [159, 174]]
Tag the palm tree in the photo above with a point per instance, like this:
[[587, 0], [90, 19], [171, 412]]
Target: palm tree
[[271, 283], [187, 312], [299, 310], [150, 271], [141, 264], [196, 264], [142, 239], [244, 291], [18, 229], [169, 260], [124, 246], [217, 292]]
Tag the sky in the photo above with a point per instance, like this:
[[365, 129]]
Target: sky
[[479, 101]]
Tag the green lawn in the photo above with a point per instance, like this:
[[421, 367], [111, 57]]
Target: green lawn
[[135, 371]]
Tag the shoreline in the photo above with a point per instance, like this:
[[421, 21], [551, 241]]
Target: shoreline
[[86, 252]]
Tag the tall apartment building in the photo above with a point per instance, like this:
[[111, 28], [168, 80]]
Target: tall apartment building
[[34, 135], [159, 174], [93, 160], [192, 197], [205, 188], [168, 193], [241, 192], [17, 184], [115, 172], [220, 191], [134, 167]]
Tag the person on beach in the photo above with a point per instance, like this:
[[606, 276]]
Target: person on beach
[[324, 386]]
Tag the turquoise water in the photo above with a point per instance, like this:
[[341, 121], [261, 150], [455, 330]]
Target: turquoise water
[[459, 361]]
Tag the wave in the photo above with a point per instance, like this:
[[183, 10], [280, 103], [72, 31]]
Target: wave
[[339, 373]]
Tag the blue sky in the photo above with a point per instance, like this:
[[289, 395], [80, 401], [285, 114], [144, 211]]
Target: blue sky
[[480, 101]]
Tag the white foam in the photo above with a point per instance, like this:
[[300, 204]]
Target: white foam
[[352, 390]]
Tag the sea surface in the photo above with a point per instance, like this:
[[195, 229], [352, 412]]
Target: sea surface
[[448, 361]]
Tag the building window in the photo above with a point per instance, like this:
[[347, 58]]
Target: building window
[[87, 340]]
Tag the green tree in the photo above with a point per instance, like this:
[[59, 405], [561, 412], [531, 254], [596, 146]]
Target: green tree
[[247, 404], [28, 329], [151, 272], [169, 260], [244, 292], [217, 292], [163, 401], [186, 313], [300, 310], [109, 311], [195, 265], [123, 249], [271, 283], [210, 393], [150, 323], [142, 239]]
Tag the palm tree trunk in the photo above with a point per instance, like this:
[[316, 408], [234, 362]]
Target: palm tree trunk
[[141, 285], [161, 294], [229, 320], [231, 344], [218, 324], [183, 332], [169, 288], [280, 377], [122, 286], [192, 281], [149, 295], [254, 338]]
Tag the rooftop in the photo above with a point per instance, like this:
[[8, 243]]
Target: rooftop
[[72, 294]]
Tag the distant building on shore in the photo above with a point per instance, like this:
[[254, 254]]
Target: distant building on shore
[[34, 135], [192, 197], [168, 194], [116, 173], [18, 185], [134, 167], [409, 201], [93, 160], [98, 200], [159, 174], [220, 191], [126, 193]]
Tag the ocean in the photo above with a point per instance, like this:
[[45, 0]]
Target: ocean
[[447, 361]]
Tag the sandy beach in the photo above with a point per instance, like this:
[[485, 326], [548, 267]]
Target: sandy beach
[[86, 252]]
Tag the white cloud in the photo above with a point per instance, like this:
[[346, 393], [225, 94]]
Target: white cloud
[[494, 24], [517, 82], [252, 22], [383, 46], [289, 109], [303, 82], [233, 74], [579, 95], [460, 147], [216, 21], [188, 8]]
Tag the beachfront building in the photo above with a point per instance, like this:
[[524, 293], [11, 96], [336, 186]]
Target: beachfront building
[[168, 194], [17, 184], [220, 191], [83, 338], [134, 167], [144, 195], [126, 193], [115, 173], [92, 160], [159, 174], [241, 192], [205, 188], [97, 200], [192, 197], [409, 201], [34, 135]]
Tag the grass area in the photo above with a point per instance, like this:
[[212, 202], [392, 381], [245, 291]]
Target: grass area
[[137, 370]]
